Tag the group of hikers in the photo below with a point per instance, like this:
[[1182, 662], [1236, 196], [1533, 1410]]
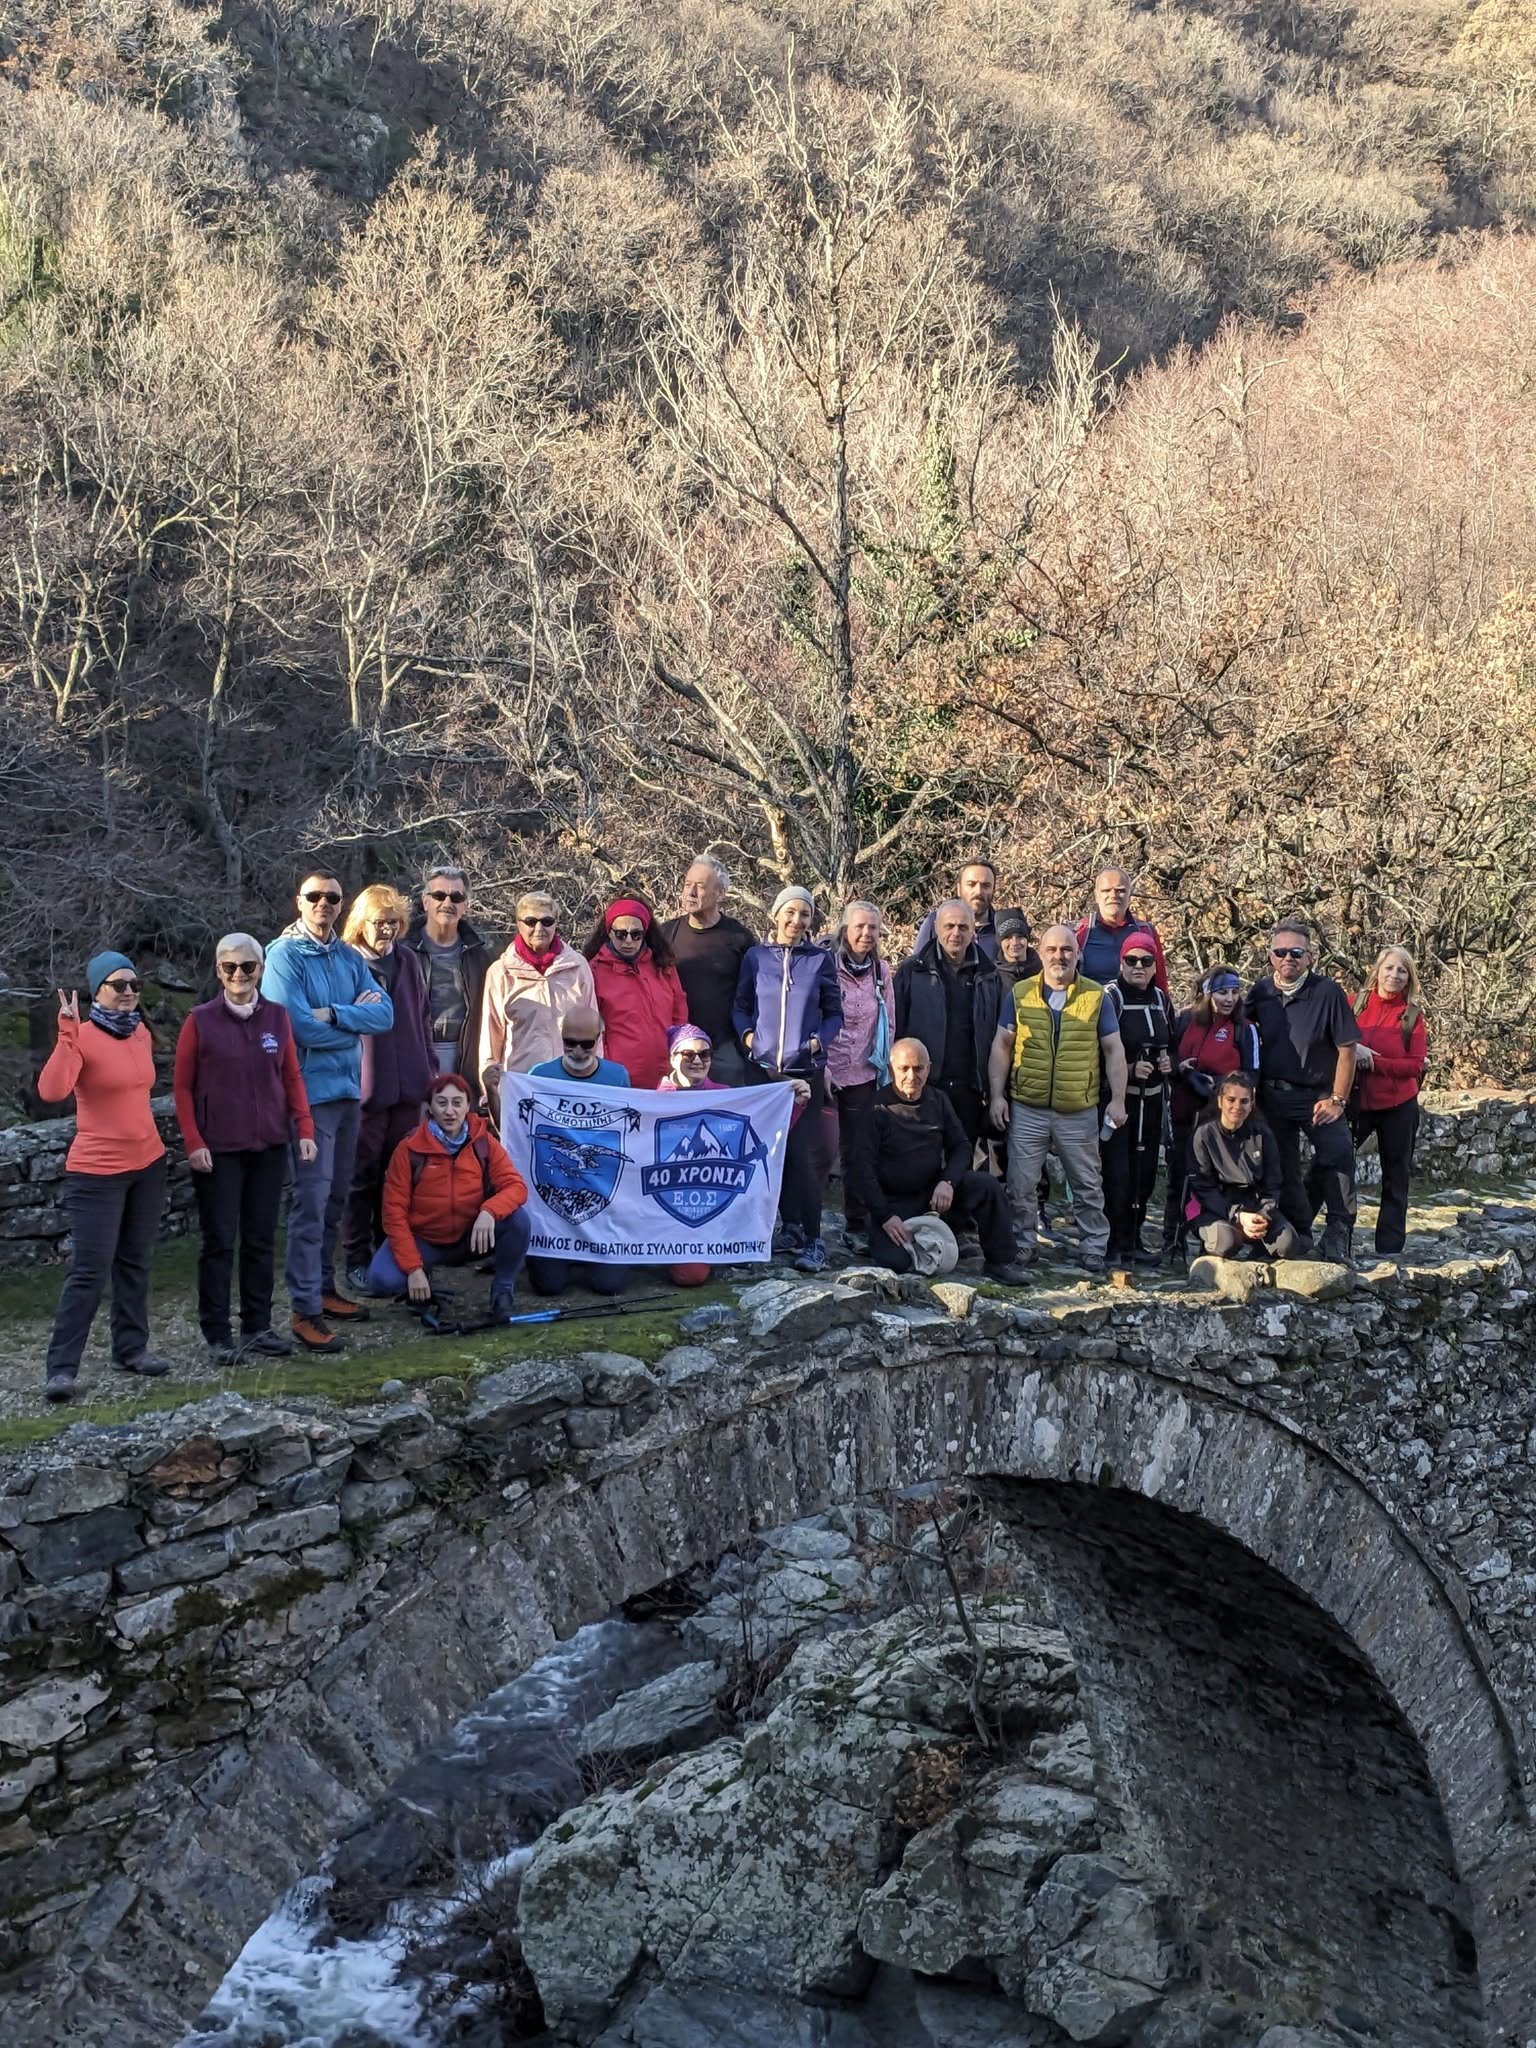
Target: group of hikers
[[357, 1063]]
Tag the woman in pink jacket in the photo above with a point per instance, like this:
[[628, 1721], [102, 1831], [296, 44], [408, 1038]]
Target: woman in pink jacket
[[858, 1059], [639, 996]]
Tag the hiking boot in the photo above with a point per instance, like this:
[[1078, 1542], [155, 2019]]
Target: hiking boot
[[148, 1365], [813, 1259], [789, 1237], [1142, 1257], [503, 1302], [1337, 1247], [221, 1351], [1091, 1262], [341, 1310], [1011, 1275], [315, 1334], [268, 1344], [357, 1279], [59, 1386], [857, 1242]]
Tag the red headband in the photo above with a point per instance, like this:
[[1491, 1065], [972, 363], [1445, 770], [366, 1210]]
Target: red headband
[[629, 906]]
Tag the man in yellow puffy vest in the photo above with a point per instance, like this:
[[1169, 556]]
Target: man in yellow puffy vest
[[1057, 1045]]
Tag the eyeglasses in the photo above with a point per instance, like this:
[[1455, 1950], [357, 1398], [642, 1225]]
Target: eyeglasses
[[1287, 952], [322, 895], [446, 896], [629, 933], [694, 1057], [125, 987], [578, 1044], [239, 970], [537, 924]]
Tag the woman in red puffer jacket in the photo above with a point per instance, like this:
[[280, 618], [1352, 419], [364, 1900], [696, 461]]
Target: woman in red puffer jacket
[[1389, 1071], [639, 996]]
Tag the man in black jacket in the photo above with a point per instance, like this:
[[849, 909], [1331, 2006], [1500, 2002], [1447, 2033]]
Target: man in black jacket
[[911, 1154], [453, 959], [948, 996], [976, 886], [1307, 1039]]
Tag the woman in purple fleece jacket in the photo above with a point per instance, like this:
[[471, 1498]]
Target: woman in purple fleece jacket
[[788, 1010], [399, 1067]]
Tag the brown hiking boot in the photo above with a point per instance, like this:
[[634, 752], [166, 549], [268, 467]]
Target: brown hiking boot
[[343, 1311], [314, 1335]]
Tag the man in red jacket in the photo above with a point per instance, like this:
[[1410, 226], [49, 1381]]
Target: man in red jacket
[[451, 1195]]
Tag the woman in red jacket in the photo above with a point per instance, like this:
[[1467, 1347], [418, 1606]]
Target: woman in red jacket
[[114, 1172], [1212, 1038], [1389, 1071], [639, 996]]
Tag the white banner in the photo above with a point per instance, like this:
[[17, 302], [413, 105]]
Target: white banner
[[646, 1178]]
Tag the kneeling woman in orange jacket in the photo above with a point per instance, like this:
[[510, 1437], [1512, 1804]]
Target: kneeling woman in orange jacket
[[451, 1194]]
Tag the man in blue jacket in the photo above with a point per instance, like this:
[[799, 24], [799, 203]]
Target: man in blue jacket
[[332, 1000]]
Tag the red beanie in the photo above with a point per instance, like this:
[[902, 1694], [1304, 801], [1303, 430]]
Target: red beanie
[[629, 906], [1139, 942]]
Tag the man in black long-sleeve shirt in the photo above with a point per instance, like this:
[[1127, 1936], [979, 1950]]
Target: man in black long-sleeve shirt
[[1307, 1039], [912, 1154]]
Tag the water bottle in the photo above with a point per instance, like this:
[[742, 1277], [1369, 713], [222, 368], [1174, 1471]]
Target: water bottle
[[1106, 1129]]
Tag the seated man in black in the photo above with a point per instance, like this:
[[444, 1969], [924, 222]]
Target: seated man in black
[[1237, 1178], [912, 1154]]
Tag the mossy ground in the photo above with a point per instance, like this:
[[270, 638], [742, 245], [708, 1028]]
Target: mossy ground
[[390, 1346]]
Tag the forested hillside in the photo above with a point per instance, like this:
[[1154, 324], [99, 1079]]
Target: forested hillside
[[565, 433]]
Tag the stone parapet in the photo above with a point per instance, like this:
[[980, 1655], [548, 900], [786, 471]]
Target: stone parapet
[[34, 1224]]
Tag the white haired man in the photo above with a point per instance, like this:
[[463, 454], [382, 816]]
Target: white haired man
[[709, 948]]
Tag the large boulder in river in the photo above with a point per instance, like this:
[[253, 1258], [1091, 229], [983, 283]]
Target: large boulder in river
[[914, 1798]]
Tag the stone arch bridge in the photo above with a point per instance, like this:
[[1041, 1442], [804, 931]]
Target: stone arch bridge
[[1302, 1528]]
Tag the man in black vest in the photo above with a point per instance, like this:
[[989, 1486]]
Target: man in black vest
[[1307, 1039], [910, 1155], [948, 996]]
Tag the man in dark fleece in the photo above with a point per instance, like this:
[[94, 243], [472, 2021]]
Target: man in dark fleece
[[1237, 1177], [912, 1154]]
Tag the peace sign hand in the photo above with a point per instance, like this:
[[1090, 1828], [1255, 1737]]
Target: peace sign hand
[[69, 1005]]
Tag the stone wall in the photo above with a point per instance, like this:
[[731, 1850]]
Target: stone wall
[[34, 1227], [223, 1632], [1476, 1135]]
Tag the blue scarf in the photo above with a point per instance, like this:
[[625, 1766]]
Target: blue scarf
[[120, 1023], [449, 1145]]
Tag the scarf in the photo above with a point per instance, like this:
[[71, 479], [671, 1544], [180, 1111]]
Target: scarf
[[539, 962], [119, 1023], [449, 1145], [241, 1009], [853, 965]]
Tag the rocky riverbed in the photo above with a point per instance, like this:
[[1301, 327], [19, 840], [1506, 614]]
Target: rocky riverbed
[[848, 1793]]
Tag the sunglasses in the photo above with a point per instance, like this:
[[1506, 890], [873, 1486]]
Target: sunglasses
[[239, 970], [447, 896], [578, 1044], [626, 932], [322, 895], [1138, 960], [125, 987], [691, 1054], [1287, 952], [537, 924]]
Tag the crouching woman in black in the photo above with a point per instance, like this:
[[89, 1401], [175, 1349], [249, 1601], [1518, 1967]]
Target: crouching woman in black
[[1238, 1178]]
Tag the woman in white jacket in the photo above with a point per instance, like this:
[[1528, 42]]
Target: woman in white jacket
[[528, 989]]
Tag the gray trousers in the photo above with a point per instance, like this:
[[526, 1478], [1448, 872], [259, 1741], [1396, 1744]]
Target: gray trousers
[[320, 1191], [1074, 1137], [1223, 1239]]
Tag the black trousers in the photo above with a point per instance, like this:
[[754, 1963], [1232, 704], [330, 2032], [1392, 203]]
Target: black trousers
[[553, 1276], [113, 1220], [979, 1199], [1331, 1180], [379, 1131], [237, 1204], [1396, 1130], [968, 1106], [853, 1106], [1179, 1160], [805, 1163], [1128, 1162]]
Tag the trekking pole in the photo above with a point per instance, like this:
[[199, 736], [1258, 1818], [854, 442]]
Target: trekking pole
[[432, 1321]]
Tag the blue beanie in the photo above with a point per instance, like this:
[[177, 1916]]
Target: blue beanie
[[100, 965]]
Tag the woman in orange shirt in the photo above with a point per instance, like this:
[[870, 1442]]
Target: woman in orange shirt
[[114, 1172]]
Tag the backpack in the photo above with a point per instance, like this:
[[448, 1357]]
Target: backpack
[[481, 1147], [1410, 1017]]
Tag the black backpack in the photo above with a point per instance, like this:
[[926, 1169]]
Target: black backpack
[[481, 1147]]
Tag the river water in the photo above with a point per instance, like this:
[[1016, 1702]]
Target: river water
[[299, 1982]]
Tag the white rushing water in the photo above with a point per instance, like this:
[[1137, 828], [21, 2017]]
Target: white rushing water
[[295, 1985]]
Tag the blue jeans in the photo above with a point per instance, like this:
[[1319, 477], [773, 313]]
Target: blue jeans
[[320, 1191], [512, 1233]]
